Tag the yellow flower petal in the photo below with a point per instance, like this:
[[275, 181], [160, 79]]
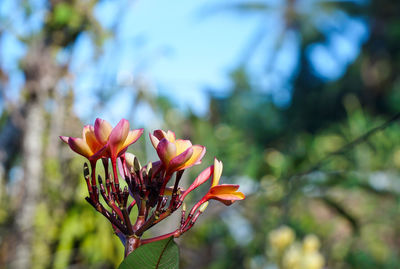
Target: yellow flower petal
[[90, 138], [170, 135], [198, 153], [80, 146], [218, 166], [182, 145], [132, 137]]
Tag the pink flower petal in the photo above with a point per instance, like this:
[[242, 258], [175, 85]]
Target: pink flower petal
[[200, 179], [121, 169], [198, 153], [160, 134], [132, 137], [179, 161], [64, 138], [154, 140], [166, 151], [117, 137], [79, 146], [102, 130]]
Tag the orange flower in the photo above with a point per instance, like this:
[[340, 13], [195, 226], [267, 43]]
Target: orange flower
[[120, 138], [225, 193], [102, 139], [176, 154], [87, 146]]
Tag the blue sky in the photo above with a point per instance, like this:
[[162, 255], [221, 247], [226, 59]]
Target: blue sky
[[179, 50], [182, 50]]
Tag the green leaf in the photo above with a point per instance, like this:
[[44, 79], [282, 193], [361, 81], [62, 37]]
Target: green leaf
[[163, 254]]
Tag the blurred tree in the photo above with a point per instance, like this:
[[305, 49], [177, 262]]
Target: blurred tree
[[31, 125]]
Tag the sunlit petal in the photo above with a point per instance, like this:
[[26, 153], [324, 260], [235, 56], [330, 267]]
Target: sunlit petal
[[154, 140], [218, 166], [179, 161], [132, 137], [198, 153], [166, 151], [224, 188], [118, 136], [102, 130], [182, 145], [79, 146], [229, 196], [90, 138], [170, 135]]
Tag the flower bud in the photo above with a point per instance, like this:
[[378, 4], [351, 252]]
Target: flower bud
[[203, 207], [129, 159], [86, 171]]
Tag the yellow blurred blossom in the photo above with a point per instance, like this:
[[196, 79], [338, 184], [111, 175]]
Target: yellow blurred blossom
[[281, 238], [292, 258], [290, 254], [312, 260], [311, 243]]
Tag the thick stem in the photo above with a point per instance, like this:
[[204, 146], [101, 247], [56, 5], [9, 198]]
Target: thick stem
[[132, 243]]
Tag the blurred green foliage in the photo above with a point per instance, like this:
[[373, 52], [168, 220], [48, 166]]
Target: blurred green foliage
[[348, 195]]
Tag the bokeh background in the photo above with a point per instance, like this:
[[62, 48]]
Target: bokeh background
[[298, 98]]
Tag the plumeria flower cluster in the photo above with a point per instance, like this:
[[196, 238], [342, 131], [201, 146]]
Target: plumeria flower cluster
[[153, 189]]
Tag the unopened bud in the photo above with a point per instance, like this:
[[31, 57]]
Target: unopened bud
[[86, 171], [129, 159], [136, 165], [203, 207], [149, 169], [184, 207]]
